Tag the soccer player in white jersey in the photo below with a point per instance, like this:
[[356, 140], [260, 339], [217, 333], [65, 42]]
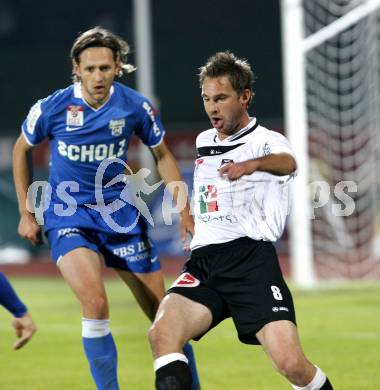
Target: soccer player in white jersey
[[89, 125], [240, 204]]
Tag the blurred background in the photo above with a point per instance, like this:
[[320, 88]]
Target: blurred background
[[35, 39]]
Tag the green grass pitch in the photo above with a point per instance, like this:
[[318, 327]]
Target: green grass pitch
[[339, 328]]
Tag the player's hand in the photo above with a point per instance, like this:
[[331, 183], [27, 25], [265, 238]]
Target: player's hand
[[29, 229], [25, 328], [187, 229], [233, 171]]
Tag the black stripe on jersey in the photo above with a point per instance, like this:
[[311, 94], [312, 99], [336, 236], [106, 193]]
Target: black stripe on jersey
[[215, 150], [245, 133]]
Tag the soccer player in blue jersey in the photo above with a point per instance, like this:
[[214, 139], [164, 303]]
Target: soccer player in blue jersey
[[89, 125], [22, 320]]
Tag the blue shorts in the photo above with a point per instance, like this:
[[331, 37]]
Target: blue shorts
[[133, 253]]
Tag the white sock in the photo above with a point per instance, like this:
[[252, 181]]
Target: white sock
[[166, 359], [317, 382], [95, 328]]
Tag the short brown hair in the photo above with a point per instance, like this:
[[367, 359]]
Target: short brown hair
[[100, 37], [225, 63]]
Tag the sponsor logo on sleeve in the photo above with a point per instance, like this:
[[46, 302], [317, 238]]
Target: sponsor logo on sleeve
[[266, 149], [150, 112], [31, 121]]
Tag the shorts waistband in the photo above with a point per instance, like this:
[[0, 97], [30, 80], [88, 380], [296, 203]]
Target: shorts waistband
[[212, 248]]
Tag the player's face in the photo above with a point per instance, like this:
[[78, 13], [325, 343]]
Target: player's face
[[97, 69], [226, 109]]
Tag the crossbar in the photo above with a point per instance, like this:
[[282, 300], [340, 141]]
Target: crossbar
[[339, 25]]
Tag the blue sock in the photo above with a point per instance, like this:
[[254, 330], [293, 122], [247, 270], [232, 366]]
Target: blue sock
[[101, 353], [189, 353]]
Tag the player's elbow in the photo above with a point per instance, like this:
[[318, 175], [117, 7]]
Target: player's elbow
[[21, 146], [292, 164], [17, 146], [286, 164]]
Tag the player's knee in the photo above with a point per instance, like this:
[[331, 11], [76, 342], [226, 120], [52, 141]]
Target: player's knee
[[291, 366], [161, 339], [155, 334], [96, 307]]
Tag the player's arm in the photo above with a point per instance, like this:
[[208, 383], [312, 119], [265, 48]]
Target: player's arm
[[169, 171], [22, 175], [280, 164], [22, 321]]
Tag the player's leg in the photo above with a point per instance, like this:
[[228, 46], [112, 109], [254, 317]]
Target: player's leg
[[281, 343], [149, 290], [135, 259], [81, 268], [261, 306], [178, 320]]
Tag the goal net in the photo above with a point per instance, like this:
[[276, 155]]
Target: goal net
[[341, 74]]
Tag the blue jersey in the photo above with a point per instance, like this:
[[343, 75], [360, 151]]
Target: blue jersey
[[82, 137]]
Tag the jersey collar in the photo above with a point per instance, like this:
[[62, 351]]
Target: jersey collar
[[78, 94], [247, 129]]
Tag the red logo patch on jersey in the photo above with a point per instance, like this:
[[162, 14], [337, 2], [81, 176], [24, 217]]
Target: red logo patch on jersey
[[74, 116], [186, 280]]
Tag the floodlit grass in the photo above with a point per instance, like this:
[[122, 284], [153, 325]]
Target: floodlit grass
[[339, 327]]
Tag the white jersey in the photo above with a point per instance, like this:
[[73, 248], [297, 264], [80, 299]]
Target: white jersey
[[253, 206]]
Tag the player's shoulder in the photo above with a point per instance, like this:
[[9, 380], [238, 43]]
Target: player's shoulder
[[128, 93], [261, 132], [206, 138], [49, 105], [134, 99], [55, 101], [264, 141]]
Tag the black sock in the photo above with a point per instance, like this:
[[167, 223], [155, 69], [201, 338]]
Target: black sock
[[327, 385], [174, 376]]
